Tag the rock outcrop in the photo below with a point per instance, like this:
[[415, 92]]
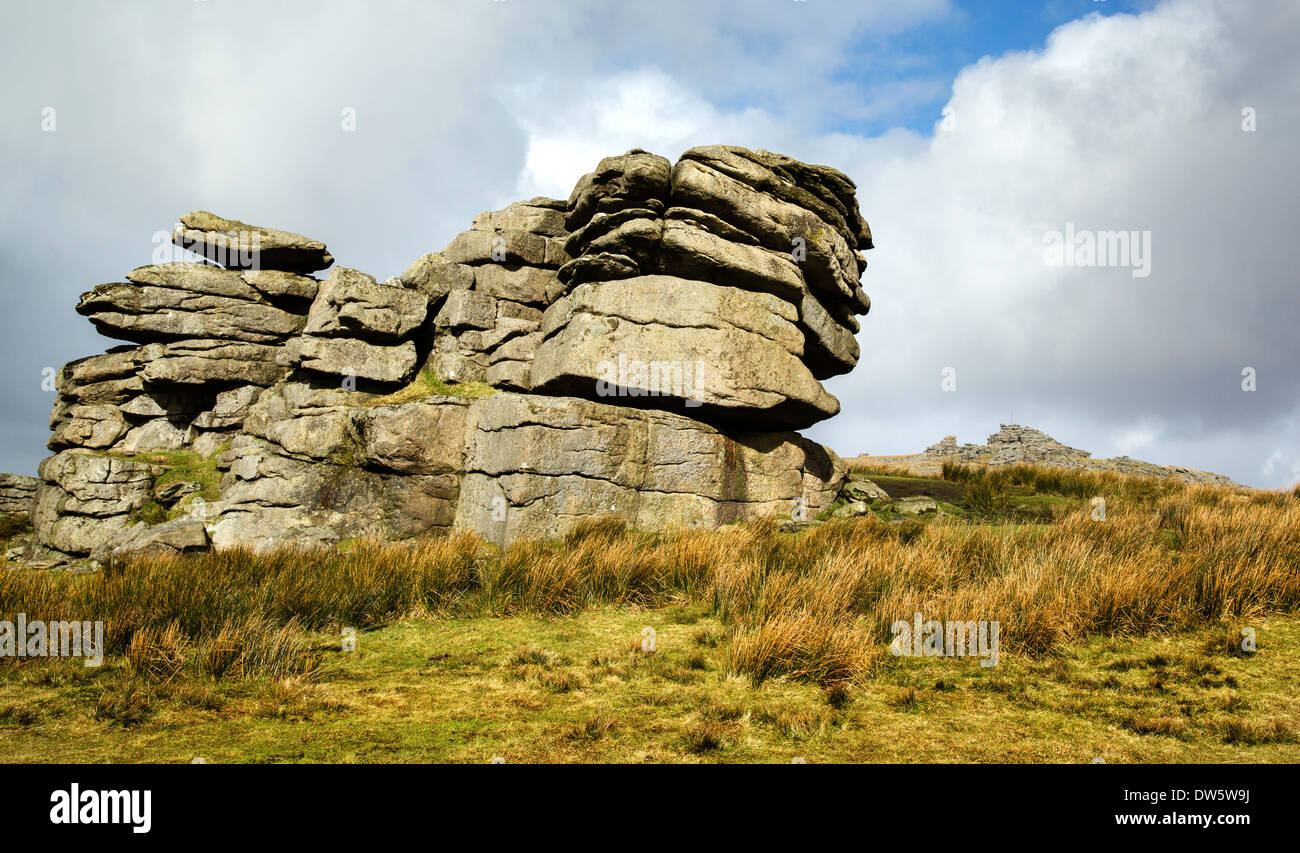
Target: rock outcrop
[[643, 349], [735, 271], [17, 494], [1010, 445], [1013, 444]]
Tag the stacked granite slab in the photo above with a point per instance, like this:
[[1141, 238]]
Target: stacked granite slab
[[742, 267], [645, 349], [487, 290], [1012, 444], [204, 341], [358, 328]]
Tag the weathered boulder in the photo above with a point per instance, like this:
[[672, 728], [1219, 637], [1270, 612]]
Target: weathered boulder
[[180, 403], [458, 359], [228, 409], [655, 340], [120, 363], [238, 245], [195, 278], [269, 500], [633, 234], [280, 286], [635, 179], [690, 251], [435, 277], [95, 427], [527, 285], [423, 437], [112, 392], [17, 493], [467, 309], [96, 484], [172, 492], [859, 489], [314, 468], [352, 304], [145, 313], [185, 535], [527, 234], [206, 362], [825, 191], [487, 288], [536, 464], [853, 509], [307, 422], [749, 220], [541, 216], [83, 500], [155, 435], [508, 247], [829, 265], [351, 358], [600, 266], [915, 505]]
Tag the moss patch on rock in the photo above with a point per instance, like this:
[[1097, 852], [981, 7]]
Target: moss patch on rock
[[178, 466], [427, 384]]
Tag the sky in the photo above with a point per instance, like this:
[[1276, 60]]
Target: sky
[[980, 134]]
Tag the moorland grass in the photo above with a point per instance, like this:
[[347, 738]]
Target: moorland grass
[[815, 606]]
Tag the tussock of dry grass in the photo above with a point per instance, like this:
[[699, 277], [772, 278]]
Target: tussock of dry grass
[[1066, 481], [880, 469], [816, 606]]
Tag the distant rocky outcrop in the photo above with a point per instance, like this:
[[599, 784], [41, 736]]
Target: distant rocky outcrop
[[1010, 445], [643, 349], [1013, 444]]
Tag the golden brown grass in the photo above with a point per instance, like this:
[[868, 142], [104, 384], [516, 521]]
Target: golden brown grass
[[879, 469], [815, 606], [1064, 481]]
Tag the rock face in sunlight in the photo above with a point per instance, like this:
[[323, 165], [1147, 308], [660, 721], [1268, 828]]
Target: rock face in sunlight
[[643, 349]]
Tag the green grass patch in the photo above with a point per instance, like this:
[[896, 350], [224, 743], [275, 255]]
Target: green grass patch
[[179, 466], [427, 384], [529, 689]]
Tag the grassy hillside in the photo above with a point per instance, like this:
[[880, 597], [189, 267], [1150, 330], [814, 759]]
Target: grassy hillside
[[1120, 638]]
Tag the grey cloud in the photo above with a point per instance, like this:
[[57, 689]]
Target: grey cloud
[[1122, 122]]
